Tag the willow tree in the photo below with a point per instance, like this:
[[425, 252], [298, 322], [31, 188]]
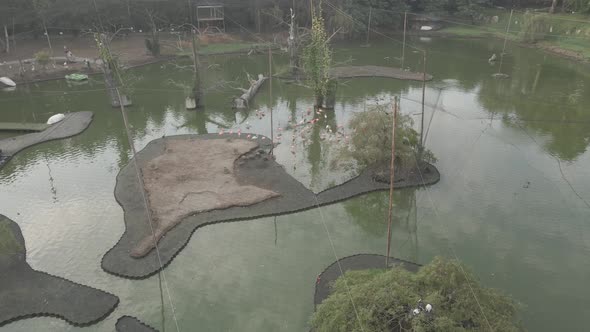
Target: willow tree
[[370, 143], [317, 60]]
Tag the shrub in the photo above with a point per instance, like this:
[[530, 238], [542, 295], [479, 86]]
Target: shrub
[[534, 27], [371, 139], [384, 300], [153, 46], [42, 58]]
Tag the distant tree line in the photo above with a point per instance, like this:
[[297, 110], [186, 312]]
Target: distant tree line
[[74, 16]]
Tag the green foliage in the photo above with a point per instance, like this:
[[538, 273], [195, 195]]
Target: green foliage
[[317, 56], [387, 14], [384, 301], [42, 58], [580, 6], [371, 139], [534, 27]]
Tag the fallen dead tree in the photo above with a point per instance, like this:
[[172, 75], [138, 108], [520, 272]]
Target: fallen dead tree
[[243, 100]]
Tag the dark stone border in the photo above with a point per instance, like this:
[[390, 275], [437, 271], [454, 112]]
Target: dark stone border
[[132, 324], [260, 171], [354, 263], [377, 71], [369, 71], [73, 124], [42, 294]]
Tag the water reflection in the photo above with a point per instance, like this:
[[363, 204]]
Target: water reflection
[[531, 242], [531, 99], [370, 212]]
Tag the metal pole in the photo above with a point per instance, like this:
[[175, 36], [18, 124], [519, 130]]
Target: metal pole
[[272, 138], [423, 97], [505, 40], [404, 43], [391, 179]]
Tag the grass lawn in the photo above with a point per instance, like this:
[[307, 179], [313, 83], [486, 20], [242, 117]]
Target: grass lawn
[[567, 31]]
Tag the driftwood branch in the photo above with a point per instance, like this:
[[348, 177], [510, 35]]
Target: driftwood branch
[[243, 100], [334, 34]]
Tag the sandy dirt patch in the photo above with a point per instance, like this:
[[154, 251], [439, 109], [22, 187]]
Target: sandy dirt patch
[[194, 177]]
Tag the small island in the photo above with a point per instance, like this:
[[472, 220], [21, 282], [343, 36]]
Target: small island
[[72, 124], [196, 180], [132, 324], [27, 293]]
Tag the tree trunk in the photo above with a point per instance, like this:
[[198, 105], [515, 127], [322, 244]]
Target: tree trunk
[[7, 39], [195, 98], [329, 100], [155, 36], [552, 9], [257, 14], [48, 39], [293, 45], [243, 100], [13, 35]]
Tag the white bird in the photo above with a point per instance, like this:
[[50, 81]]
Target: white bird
[[55, 118], [416, 311], [492, 58], [428, 307]]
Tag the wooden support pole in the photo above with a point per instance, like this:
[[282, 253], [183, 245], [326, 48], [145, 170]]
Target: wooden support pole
[[391, 179], [404, 42], [423, 102], [47, 35], [505, 40], [272, 138], [369, 24]]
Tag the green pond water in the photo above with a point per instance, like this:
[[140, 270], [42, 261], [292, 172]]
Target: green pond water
[[510, 204]]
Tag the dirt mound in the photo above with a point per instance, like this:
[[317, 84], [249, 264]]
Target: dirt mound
[[194, 177]]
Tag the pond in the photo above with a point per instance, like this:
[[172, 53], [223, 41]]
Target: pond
[[512, 202]]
